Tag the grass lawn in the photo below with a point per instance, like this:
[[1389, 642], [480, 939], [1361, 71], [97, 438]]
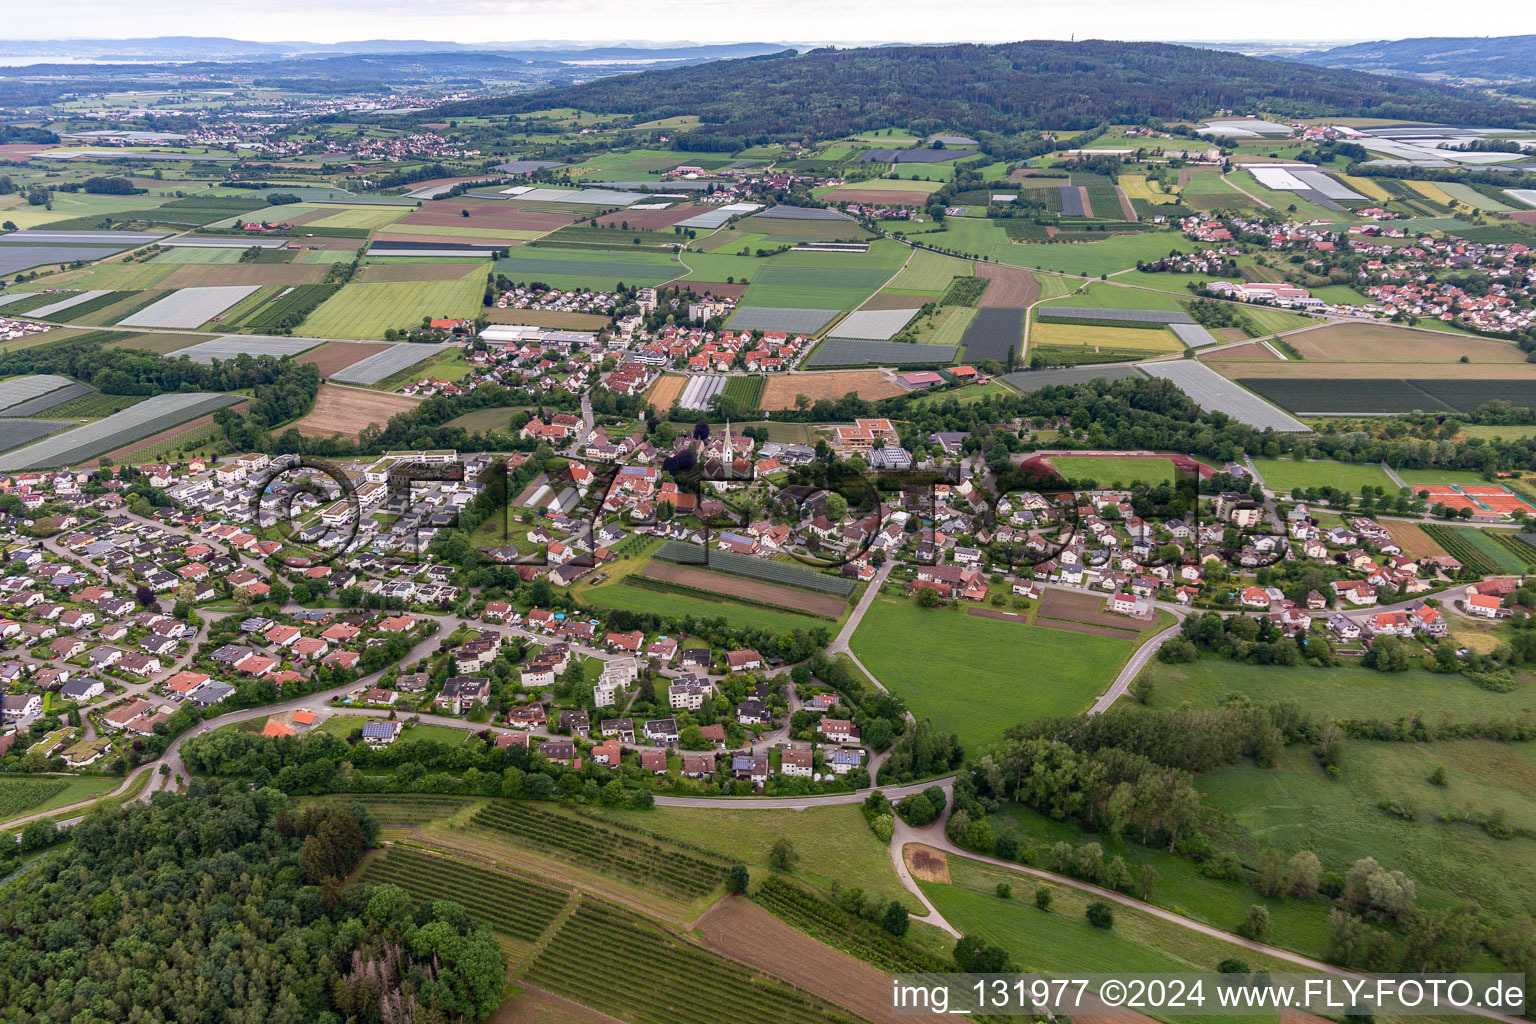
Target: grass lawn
[[1114, 471], [640, 599], [975, 676], [450, 369], [481, 420], [1508, 433], [372, 216], [1346, 691], [1273, 321], [930, 271], [436, 733], [1100, 295], [598, 269], [1295, 806], [821, 280], [834, 843], [1062, 939], [947, 326], [367, 310], [965, 396], [1116, 252], [1180, 887], [1289, 475]]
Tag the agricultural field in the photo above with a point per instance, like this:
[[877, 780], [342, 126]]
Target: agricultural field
[[929, 273], [823, 280], [789, 574], [1345, 691], [1103, 295], [599, 270], [832, 851], [738, 588], [1291, 475], [1383, 343], [338, 355], [1366, 392], [20, 795], [1412, 539], [662, 972], [872, 385], [633, 857], [1114, 253], [1478, 549], [504, 903], [1142, 341], [139, 421], [346, 411], [667, 390], [363, 310], [967, 672], [746, 392], [638, 598]]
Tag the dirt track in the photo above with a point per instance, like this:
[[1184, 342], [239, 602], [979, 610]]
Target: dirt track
[[748, 589]]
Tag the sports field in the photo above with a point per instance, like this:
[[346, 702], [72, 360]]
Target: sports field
[[362, 310], [1111, 470], [976, 676], [1290, 475]]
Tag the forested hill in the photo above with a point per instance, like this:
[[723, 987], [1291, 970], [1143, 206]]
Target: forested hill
[[1003, 88], [1487, 58]]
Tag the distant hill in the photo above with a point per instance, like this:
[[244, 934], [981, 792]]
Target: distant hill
[[219, 48], [1460, 58], [1002, 88]]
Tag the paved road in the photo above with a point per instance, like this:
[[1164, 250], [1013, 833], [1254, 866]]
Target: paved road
[[1139, 659], [934, 836]]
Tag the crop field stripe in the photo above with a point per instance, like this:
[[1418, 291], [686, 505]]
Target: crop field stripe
[[746, 392], [142, 420], [502, 902], [785, 573], [635, 859], [848, 352], [996, 332], [663, 974]]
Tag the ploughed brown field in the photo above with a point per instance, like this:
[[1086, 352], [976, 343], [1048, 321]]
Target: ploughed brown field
[[717, 289], [378, 273], [872, 385], [1370, 343], [486, 213], [667, 389], [335, 356], [885, 300], [1252, 351], [200, 275], [879, 196], [650, 220], [1086, 608], [1412, 539], [746, 589], [742, 930], [1011, 286], [347, 411], [489, 238]]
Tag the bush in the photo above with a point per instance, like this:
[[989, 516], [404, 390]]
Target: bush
[[1043, 897], [736, 880], [1006, 848], [1232, 965], [1004, 891], [884, 827], [917, 810], [895, 920], [1256, 924], [782, 856], [1101, 914]]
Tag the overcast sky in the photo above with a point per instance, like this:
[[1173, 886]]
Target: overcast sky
[[718, 21]]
